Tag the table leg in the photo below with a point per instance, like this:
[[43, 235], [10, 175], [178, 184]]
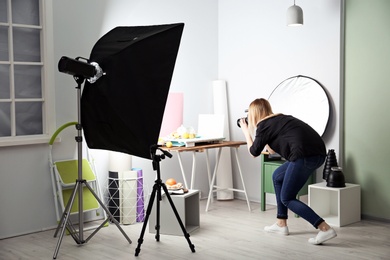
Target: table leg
[[193, 169], [262, 201], [208, 166], [242, 178], [208, 169], [213, 179], [182, 170]]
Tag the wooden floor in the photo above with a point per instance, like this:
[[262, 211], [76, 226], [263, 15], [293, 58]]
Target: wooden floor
[[228, 231]]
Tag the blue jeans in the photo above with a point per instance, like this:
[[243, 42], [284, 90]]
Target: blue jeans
[[288, 179]]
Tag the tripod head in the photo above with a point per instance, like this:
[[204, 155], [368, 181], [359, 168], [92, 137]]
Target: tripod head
[[153, 150], [158, 157]]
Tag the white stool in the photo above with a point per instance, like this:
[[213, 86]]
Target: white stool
[[187, 205], [337, 206]]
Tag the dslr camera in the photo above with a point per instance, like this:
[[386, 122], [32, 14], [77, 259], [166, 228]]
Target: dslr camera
[[246, 119], [238, 121]]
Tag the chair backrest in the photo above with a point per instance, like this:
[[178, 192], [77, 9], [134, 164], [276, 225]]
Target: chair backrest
[[68, 171]]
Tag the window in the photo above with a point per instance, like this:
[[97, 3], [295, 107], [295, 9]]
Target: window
[[24, 93]]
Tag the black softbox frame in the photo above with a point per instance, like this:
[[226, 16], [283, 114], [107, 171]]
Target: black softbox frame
[[123, 110]]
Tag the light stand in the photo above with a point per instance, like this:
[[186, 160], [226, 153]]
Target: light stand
[[65, 222], [156, 193]]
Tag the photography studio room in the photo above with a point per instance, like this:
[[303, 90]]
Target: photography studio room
[[194, 129]]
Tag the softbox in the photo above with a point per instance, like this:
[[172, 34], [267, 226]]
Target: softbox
[[123, 110]]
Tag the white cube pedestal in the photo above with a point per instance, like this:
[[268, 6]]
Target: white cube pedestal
[[337, 206], [187, 205]]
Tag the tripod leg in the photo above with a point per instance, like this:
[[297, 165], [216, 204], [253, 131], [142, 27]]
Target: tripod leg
[[158, 200], [148, 210], [64, 222], [186, 234], [67, 209], [110, 216]]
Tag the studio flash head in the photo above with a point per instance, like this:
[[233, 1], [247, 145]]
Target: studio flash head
[[75, 67]]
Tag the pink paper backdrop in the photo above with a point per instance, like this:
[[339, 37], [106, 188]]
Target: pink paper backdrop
[[173, 114]]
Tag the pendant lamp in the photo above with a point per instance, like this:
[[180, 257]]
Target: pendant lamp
[[294, 15]]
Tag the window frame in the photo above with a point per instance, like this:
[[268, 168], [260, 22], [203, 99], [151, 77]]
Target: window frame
[[47, 78]]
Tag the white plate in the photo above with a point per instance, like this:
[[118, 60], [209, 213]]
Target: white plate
[[174, 189]]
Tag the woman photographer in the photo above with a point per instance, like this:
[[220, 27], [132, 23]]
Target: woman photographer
[[304, 151]]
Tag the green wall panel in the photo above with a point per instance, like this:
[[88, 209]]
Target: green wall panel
[[367, 103]]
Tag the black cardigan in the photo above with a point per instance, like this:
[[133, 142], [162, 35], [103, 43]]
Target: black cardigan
[[289, 137]]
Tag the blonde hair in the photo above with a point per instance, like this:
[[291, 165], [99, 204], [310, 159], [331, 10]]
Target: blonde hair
[[258, 109]]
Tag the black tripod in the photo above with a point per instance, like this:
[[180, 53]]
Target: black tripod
[[157, 191], [65, 222]]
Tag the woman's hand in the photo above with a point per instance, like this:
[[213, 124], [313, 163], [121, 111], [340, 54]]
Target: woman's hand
[[243, 124], [269, 149]]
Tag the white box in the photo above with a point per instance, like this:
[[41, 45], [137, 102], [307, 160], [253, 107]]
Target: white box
[[337, 206], [187, 206]]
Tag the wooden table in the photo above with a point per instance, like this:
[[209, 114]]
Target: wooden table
[[200, 147]]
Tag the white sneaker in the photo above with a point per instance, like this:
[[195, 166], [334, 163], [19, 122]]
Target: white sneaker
[[277, 229], [323, 236]]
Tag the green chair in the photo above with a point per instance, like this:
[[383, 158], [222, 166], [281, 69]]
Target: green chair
[[64, 175]]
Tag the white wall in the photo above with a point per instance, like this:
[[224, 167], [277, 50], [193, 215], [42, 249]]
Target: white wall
[[244, 42]]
